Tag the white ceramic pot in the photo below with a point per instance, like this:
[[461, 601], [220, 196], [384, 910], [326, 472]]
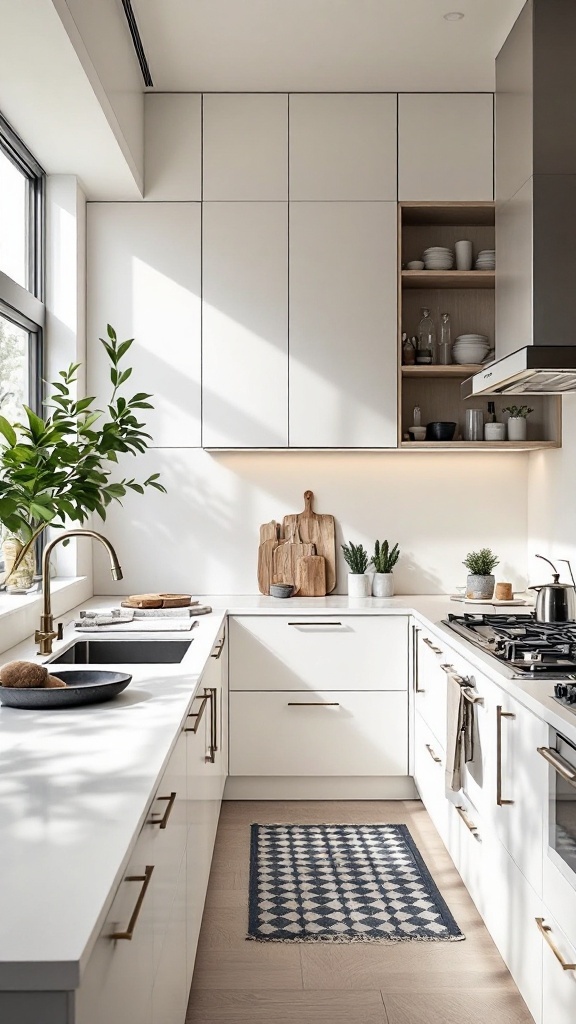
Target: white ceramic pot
[[383, 584], [480, 587], [517, 428], [463, 251], [358, 584]]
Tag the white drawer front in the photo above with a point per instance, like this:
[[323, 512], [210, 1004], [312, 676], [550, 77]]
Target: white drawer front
[[334, 652], [322, 733], [559, 985], [430, 683], [429, 769]]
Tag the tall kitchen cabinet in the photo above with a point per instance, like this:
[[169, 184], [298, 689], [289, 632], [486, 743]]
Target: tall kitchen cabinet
[[299, 257]]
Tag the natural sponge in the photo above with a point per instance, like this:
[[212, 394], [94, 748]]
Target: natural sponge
[[27, 674]]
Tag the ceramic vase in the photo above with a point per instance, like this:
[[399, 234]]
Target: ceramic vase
[[480, 588], [22, 577], [358, 584], [383, 584], [517, 428]]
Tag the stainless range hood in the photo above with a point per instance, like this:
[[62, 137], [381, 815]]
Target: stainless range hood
[[535, 183]]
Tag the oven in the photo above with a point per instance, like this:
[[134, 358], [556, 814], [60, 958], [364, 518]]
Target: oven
[[561, 756]]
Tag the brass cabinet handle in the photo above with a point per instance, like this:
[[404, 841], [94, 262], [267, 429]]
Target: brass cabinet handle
[[433, 753], [216, 653], [432, 646], [145, 879], [469, 824], [564, 768], [170, 804], [211, 755], [313, 704], [546, 929], [500, 714], [198, 714]]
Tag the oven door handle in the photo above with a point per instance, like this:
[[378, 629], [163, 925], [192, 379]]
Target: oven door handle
[[559, 764]]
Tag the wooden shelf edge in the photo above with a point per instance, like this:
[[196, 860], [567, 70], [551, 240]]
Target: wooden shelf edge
[[517, 446], [448, 278], [453, 370]]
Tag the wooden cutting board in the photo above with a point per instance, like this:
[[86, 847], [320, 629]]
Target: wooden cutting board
[[315, 529], [311, 576], [285, 559], [269, 531], [265, 565]]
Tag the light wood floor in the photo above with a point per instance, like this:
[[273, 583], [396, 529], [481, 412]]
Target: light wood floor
[[238, 981]]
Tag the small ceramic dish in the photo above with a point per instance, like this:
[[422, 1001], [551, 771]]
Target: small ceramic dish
[[415, 265], [281, 589]]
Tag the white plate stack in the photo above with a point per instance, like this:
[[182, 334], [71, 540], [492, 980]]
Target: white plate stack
[[438, 258], [470, 348], [486, 260]]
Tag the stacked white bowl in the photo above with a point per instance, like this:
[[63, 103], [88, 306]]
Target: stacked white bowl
[[470, 348], [486, 260], [437, 257]]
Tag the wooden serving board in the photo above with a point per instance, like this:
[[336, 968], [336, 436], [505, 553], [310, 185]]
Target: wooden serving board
[[285, 559], [311, 576], [319, 530], [265, 565]]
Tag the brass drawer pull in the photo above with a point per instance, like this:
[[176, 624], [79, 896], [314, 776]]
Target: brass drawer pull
[[432, 646], [546, 929], [170, 804], [198, 714], [216, 653], [145, 879], [469, 824], [415, 670], [564, 768], [499, 716], [211, 755], [313, 704], [449, 670], [433, 753]]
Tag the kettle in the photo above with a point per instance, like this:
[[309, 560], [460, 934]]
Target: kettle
[[556, 602]]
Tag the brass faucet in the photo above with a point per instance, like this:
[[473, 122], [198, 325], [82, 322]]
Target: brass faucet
[[45, 635]]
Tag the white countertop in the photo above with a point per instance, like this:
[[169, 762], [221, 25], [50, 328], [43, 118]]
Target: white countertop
[[75, 784]]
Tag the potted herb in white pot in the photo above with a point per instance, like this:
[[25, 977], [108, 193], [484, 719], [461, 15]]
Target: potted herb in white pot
[[480, 581], [384, 559], [517, 425], [356, 558]]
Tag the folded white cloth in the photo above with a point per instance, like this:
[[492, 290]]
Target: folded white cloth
[[118, 625]]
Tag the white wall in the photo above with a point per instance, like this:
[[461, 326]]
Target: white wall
[[552, 501], [202, 537]]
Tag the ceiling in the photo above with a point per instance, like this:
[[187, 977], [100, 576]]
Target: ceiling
[[333, 45]]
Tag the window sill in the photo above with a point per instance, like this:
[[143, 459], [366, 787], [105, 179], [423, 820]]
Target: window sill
[[10, 603], [20, 613]]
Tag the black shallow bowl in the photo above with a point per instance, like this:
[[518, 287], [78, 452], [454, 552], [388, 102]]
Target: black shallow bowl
[[440, 431], [83, 686]]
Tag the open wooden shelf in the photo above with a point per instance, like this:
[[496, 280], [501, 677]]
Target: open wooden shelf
[[448, 278], [478, 214], [454, 370], [515, 446]]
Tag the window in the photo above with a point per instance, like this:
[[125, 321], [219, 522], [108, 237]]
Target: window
[[21, 277]]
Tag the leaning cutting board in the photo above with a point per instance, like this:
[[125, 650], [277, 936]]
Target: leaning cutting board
[[285, 559], [265, 565], [315, 529], [311, 576]]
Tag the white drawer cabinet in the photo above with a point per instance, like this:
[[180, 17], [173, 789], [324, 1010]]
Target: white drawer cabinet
[[430, 682], [332, 652], [445, 146], [558, 984], [429, 769], [319, 733], [343, 146]]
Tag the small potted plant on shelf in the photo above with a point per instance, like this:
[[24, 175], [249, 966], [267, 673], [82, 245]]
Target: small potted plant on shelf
[[60, 467], [356, 558], [517, 421], [384, 559], [480, 581]]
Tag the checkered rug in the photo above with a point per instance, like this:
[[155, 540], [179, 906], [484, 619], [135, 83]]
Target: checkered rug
[[343, 883]]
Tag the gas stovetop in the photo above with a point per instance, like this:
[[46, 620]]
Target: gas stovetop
[[528, 648]]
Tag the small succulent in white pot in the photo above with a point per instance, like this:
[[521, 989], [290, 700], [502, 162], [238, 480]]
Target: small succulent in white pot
[[480, 580], [384, 559], [356, 558], [517, 426]]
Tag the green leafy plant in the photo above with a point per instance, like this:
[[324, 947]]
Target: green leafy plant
[[481, 563], [517, 411], [60, 467], [384, 558], [356, 557]]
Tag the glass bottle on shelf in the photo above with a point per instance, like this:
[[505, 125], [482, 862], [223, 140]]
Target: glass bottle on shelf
[[445, 346], [491, 417], [426, 352], [408, 351]]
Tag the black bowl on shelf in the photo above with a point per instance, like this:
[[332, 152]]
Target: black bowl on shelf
[[440, 430]]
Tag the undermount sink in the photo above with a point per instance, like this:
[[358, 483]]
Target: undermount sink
[[123, 652]]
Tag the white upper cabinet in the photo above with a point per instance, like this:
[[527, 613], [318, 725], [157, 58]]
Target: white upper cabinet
[[445, 146], [173, 147], [143, 263], [343, 146], [245, 325], [343, 325], [245, 147]]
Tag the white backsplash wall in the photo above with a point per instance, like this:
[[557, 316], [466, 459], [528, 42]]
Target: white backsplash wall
[[552, 501], [202, 537]]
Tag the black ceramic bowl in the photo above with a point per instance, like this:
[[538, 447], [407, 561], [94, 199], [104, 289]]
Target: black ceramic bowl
[[83, 686], [440, 431]]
